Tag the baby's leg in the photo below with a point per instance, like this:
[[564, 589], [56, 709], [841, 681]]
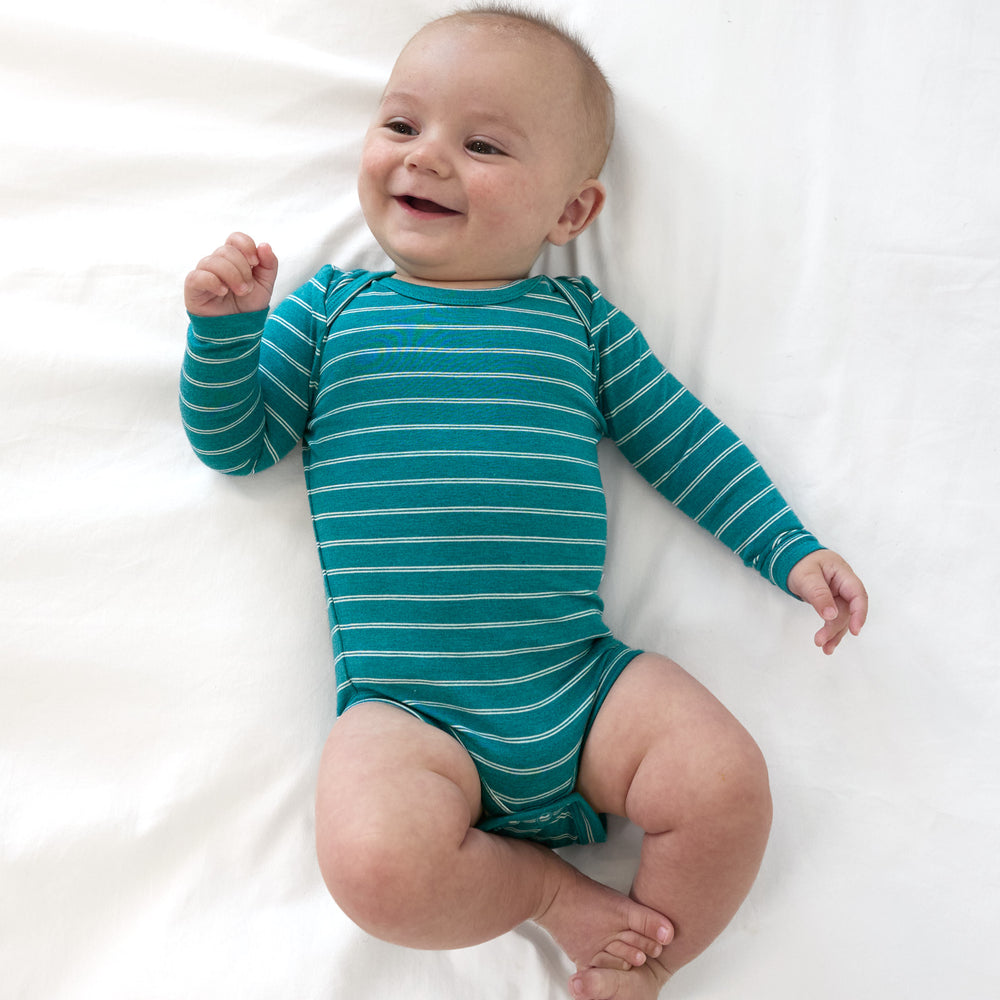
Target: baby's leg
[[666, 754], [396, 804]]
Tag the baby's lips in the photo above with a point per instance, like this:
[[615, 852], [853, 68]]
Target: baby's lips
[[427, 206]]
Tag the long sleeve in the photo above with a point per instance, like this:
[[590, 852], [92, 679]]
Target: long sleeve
[[689, 455], [247, 380]]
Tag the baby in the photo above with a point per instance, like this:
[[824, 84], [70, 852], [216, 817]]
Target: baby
[[450, 411]]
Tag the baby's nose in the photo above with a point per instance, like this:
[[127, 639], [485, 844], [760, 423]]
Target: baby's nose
[[427, 154]]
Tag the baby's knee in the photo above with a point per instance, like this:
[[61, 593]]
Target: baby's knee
[[369, 873], [733, 793], [393, 803], [744, 786], [384, 858], [721, 784]]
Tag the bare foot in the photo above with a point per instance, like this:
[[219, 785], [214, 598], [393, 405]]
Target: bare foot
[[643, 983], [600, 928]]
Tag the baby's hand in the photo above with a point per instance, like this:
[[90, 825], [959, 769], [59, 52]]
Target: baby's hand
[[824, 580], [237, 278]]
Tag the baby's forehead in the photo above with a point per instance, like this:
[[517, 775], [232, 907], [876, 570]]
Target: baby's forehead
[[553, 68]]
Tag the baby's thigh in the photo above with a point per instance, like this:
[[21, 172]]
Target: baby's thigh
[[659, 739], [391, 788]]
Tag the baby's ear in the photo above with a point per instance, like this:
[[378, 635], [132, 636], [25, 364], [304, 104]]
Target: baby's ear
[[580, 212]]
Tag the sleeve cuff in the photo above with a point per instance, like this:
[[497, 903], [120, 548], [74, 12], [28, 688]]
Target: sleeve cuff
[[220, 329]]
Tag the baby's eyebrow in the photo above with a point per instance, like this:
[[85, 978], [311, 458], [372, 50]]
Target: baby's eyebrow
[[501, 120], [478, 116], [402, 96]]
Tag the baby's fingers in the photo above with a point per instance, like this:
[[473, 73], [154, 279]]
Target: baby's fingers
[[257, 265], [265, 272], [811, 585], [857, 597], [207, 292], [829, 636], [237, 277], [245, 245], [232, 267], [203, 283]]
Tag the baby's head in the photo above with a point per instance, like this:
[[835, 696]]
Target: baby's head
[[487, 145], [581, 79]]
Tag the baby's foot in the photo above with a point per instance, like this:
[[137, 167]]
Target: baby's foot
[[599, 927], [643, 983]]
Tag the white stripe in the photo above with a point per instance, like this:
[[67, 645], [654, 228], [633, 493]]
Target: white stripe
[[409, 350], [341, 384], [729, 486], [458, 539], [648, 387], [515, 804], [625, 372], [229, 359], [252, 377], [209, 431], [444, 481], [671, 438], [463, 626], [655, 415], [286, 390], [707, 471], [767, 524], [424, 401], [284, 354], [742, 510], [481, 654], [450, 428], [459, 598], [529, 678], [381, 456], [515, 568], [550, 765], [412, 511]]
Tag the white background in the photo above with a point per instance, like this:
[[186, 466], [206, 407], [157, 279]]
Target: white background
[[804, 217]]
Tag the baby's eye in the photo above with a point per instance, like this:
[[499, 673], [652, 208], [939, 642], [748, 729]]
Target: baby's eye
[[401, 128], [483, 148]]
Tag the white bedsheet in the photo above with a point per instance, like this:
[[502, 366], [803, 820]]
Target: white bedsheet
[[805, 219]]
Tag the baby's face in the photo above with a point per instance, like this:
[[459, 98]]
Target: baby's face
[[473, 155]]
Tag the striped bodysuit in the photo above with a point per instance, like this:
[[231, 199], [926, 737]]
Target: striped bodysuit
[[450, 451]]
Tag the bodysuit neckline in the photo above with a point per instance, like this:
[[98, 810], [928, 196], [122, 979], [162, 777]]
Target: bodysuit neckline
[[461, 296]]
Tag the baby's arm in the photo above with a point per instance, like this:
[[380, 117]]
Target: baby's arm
[[700, 465], [245, 392], [237, 278], [824, 580]]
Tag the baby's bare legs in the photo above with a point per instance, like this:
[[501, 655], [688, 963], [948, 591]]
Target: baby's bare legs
[[396, 804], [667, 755]]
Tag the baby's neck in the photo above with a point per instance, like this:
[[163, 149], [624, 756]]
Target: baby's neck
[[484, 283]]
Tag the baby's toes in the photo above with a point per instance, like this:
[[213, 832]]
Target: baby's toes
[[606, 960], [609, 984], [594, 984], [627, 950], [650, 926], [618, 955]]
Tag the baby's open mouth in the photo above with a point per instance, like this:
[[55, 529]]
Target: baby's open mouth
[[425, 206]]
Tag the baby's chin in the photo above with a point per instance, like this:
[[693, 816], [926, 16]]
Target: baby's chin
[[453, 274]]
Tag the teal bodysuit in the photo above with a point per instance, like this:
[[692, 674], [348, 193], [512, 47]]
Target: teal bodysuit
[[450, 451]]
